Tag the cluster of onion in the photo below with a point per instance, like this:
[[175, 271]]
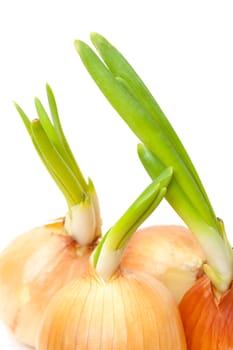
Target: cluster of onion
[[50, 265], [39, 262], [73, 287], [206, 307]]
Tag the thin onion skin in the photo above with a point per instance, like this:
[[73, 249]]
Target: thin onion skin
[[171, 254], [131, 311], [207, 322], [32, 269]]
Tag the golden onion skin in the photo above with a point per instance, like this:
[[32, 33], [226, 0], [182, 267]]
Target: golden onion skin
[[131, 311], [207, 320], [32, 269], [170, 253]]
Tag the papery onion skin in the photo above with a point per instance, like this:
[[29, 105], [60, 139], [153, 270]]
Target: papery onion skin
[[207, 321], [131, 311], [169, 253], [32, 269]]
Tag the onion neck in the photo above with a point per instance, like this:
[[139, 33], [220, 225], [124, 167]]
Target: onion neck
[[82, 221], [107, 256], [161, 148]]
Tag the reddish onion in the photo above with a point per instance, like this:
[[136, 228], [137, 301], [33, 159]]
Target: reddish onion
[[207, 319]]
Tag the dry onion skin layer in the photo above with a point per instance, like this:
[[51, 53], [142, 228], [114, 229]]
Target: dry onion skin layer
[[170, 253], [32, 269], [161, 147], [208, 323], [129, 312], [38, 263], [109, 308]]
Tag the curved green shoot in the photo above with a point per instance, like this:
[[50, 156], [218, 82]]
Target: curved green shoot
[[107, 255], [132, 100], [51, 145], [138, 116]]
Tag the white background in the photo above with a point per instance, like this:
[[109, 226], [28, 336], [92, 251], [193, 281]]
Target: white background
[[183, 52]]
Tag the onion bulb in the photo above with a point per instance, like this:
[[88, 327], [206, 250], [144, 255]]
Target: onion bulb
[[171, 254], [207, 319], [130, 311], [110, 308], [206, 307], [38, 263], [32, 269]]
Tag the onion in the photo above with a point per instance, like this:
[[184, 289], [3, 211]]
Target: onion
[[171, 254], [206, 308], [108, 308], [207, 319], [32, 269], [130, 311], [38, 263]]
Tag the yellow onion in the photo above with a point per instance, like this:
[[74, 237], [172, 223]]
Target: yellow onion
[[32, 269], [130, 311], [109, 308], [169, 253], [207, 319]]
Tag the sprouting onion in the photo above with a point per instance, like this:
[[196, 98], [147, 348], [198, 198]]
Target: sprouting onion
[[39, 262], [132, 100], [109, 308], [207, 306]]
